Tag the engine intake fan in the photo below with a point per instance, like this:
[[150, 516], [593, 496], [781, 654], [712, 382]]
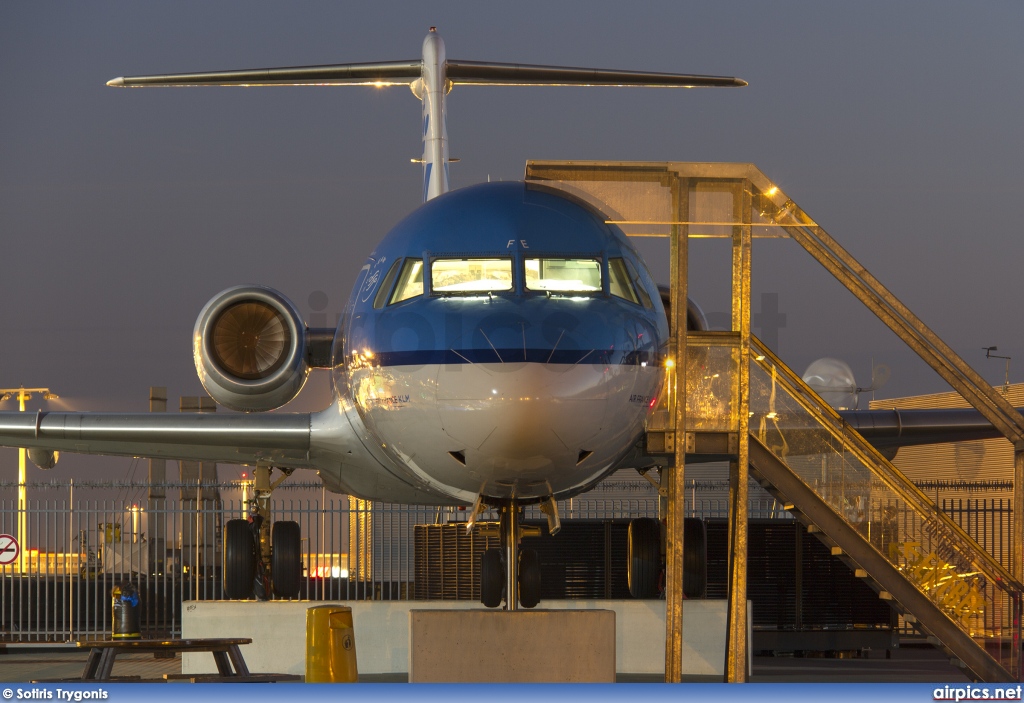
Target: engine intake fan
[[250, 349]]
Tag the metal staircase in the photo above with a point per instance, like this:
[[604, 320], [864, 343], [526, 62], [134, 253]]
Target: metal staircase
[[760, 414], [886, 529]]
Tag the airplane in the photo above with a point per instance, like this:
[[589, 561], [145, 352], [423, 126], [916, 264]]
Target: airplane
[[503, 346]]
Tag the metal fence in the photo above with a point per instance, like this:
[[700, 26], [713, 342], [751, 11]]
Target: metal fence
[[82, 540]]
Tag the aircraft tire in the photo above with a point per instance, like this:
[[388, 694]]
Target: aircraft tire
[[695, 558], [492, 578], [644, 557], [286, 559], [239, 560], [529, 578]]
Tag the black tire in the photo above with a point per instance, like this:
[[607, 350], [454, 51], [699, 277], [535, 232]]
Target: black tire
[[239, 560], [695, 558], [529, 578], [644, 557], [492, 578], [286, 559]]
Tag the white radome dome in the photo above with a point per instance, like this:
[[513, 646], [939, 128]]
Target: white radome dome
[[833, 380]]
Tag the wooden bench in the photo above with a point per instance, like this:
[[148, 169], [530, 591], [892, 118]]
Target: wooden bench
[[102, 653]]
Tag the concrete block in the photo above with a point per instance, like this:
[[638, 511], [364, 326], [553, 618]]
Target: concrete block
[[278, 631], [521, 646]]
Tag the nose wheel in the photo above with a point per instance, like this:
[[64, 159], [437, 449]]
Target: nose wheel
[[518, 585], [493, 578]]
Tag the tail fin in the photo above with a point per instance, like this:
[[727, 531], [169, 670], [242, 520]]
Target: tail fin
[[430, 79]]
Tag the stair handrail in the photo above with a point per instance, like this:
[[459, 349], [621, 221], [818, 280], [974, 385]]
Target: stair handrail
[[891, 476]]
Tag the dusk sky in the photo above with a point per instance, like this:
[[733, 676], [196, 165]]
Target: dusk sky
[[896, 126]]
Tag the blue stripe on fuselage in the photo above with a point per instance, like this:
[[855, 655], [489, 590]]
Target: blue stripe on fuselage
[[427, 330], [514, 355]]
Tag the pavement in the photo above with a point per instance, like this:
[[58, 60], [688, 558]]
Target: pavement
[[922, 664]]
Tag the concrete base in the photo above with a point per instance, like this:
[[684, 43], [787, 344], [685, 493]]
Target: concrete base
[[278, 631], [522, 646]]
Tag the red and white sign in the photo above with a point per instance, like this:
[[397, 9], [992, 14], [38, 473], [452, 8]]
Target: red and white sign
[[9, 549]]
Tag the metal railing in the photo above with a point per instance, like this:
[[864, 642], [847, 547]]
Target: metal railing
[[80, 547], [933, 553]]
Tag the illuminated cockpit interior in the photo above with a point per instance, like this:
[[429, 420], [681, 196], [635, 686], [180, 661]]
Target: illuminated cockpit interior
[[410, 281], [470, 275], [563, 275], [460, 276]]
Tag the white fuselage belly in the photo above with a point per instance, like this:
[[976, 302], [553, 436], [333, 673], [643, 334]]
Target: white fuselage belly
[[524, 430]]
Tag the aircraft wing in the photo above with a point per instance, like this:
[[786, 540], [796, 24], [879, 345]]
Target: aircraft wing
[[886, 430], [892, 429], [285, 438], [405, 72], [325, 442], [280, 439]]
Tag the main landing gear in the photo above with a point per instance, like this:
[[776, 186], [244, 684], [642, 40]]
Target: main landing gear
[[646, 562], [519, 586], [259, 558], [509, 573]]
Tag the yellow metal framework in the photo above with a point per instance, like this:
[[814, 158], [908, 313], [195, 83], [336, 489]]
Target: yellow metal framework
[[738, 396]]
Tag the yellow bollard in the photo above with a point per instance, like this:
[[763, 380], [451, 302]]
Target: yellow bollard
[[330, 645]]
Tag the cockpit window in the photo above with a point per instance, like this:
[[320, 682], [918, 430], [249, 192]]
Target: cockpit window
[[563, 275], [385, 286], [470, 275], [619, 283], [645, 297], [410, 281]]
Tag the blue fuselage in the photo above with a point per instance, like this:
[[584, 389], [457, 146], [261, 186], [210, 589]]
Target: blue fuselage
[[503, 340]]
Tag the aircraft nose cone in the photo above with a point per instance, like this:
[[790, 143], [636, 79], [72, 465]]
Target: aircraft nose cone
[[524, 428], [507, 407]]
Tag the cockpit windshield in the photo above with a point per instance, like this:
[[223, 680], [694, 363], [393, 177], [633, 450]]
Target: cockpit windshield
[[563, 275], [620, 285], [410, 281], [470, 275]]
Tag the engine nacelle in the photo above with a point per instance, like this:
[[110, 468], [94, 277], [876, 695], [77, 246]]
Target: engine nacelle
[[695, 319], [43, 458], [249, 346]]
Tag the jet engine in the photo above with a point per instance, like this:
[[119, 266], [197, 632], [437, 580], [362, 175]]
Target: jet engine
[[695, 319], [250, 349]]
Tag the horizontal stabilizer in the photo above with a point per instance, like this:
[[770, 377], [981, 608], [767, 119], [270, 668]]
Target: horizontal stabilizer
[[385, 73], [487, 73], [405, 72]]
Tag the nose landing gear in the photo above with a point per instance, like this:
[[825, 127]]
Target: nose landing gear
[[508, 573]]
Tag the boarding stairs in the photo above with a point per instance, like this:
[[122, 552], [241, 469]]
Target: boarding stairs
[[886, 530], [826, 474]]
